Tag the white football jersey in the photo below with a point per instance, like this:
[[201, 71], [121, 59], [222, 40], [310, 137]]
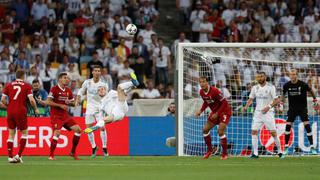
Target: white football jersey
[[263, 95], [109, 102], [91, 89]]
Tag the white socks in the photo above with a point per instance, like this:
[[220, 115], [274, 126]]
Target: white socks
[[91, 140], [103, 135], [255, 144], [277, 141]]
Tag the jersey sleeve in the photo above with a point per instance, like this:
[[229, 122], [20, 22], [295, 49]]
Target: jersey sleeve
[[70, 96], [273, 92], [83, 88], [216, 94], [29, 90], [252, 94], [51, 93]]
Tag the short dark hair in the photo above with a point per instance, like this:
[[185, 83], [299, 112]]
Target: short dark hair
[[35, 81], [20, 73], [204, 77], [262, 72], [62, 74], [96, 66]]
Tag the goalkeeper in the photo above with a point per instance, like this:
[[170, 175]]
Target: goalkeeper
[[297, 95]]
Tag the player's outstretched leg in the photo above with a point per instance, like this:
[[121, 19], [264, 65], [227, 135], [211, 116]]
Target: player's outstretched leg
[[134, 79], [92, 129]]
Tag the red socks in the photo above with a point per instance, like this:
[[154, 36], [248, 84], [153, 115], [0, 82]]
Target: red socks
[[10, 147], [224, 144], [207, 140], [22, 145], [75, 142], [53, 146]]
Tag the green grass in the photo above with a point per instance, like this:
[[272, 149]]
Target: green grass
[[162, 168]]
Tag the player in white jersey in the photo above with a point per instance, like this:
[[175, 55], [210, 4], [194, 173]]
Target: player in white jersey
[[90, 89], [266, 99], [114, 105]]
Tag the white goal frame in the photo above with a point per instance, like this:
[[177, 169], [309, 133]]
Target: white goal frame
[[179, 75]]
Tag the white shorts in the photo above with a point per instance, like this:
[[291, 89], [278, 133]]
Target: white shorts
[[91, 115], [119, 111], [260, 119]]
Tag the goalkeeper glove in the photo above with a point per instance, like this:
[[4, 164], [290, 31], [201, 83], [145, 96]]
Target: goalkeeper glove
[[315, 102]]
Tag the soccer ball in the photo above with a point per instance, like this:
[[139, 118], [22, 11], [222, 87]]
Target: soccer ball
[[131, 29]]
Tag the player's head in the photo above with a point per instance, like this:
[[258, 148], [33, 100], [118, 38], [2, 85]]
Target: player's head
[[96, 71], [35, 85], [261, 77], [204, 82], [293, 75], [20, 74], [102, 91], [63, 79], [172, 108]]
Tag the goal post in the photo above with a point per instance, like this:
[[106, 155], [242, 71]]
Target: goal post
[[232, 67]]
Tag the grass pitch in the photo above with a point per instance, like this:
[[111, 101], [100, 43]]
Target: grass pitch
[[162, 168]]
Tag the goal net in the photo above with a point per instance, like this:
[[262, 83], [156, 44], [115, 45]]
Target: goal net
[[232, 68]]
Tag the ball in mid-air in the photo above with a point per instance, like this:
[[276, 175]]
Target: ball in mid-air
[[131, 29]]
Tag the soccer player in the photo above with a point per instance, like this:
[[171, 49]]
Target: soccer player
[[59, 98], [266, 99], [114, 105], [18, 93], [297, 95], [220, 115], [90, 88]]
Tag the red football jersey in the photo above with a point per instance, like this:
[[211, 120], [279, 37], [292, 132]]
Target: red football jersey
[[59, 95], [215, 100], [17, 92]]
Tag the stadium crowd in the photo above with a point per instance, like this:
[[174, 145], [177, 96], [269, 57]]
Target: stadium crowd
[[46, 37], [257, 21]]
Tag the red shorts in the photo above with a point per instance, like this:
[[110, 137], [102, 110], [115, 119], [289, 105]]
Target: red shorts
[[17, 120], [223, 117], [57, 122]]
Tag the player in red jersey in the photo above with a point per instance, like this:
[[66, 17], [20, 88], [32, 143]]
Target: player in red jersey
[[60, 97], [15, 97], [220, 115]]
